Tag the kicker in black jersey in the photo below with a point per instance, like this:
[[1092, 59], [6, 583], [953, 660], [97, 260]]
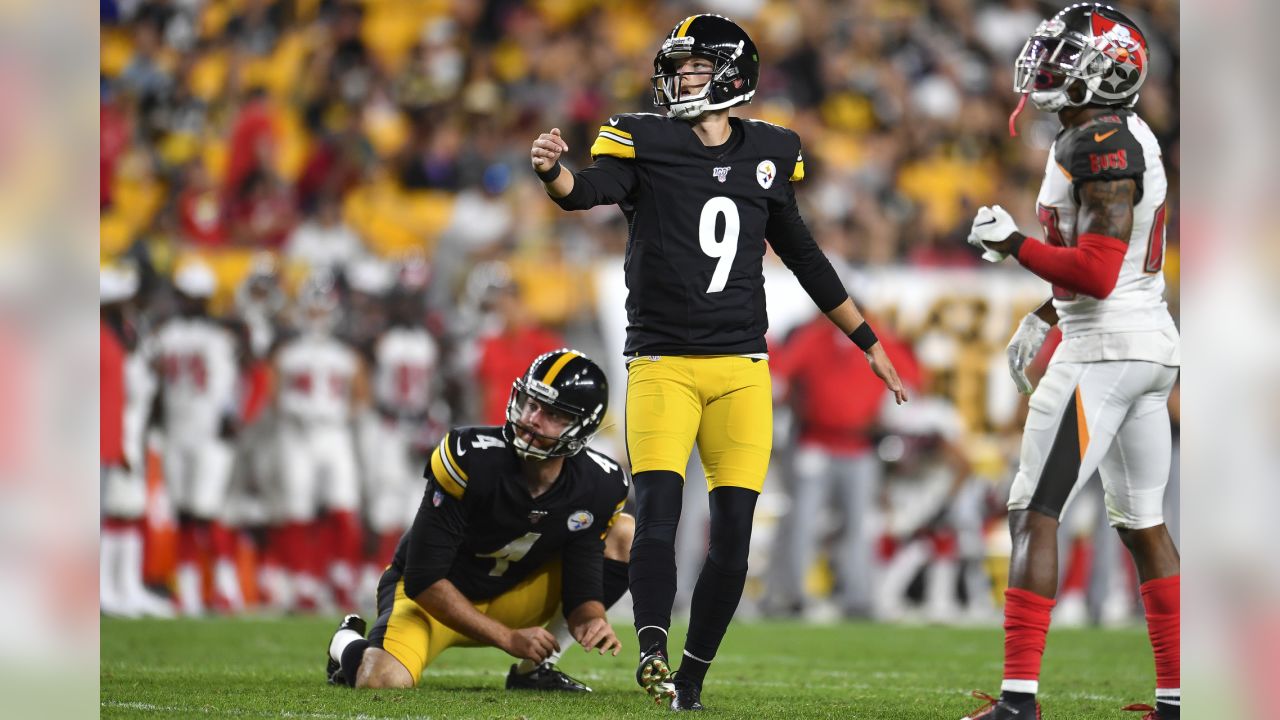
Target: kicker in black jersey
[[698, 221], [479, 527]]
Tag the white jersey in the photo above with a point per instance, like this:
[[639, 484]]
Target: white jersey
[[405, 372], [316, 375], [198, 374], [1133, 322]]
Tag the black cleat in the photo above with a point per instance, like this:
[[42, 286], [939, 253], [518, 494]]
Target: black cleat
[[688, 696], [333, 670], [654, 675], [544, 677], [1000, 709]]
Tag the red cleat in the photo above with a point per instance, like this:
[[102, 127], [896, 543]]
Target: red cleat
[[1139, 707], [997, 710]]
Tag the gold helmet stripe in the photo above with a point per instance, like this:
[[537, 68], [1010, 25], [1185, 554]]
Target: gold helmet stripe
[[684, 26], [558, 365]]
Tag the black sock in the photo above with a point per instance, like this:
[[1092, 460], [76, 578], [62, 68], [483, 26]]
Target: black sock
[[350, 661], [719, 588], [692, 670], [615, 581], [652, 571], [1018, 699], [715, 599], [1165, 711]]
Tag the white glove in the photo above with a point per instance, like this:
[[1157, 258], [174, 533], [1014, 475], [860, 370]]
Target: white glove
[[1023, 347], [991, 224]]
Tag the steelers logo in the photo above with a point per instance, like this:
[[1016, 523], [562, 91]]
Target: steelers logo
[[580, 520], [765, 172]]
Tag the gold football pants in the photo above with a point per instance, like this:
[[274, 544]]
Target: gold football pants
[[413, 637], [723, 402]]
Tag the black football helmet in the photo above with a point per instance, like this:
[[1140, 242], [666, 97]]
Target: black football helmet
[[569, 383], [1087, 54], [720, 40]]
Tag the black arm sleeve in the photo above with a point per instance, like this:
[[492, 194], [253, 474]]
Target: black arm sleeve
[[609, 180], [433, 540], [787, 234], [583, 570]]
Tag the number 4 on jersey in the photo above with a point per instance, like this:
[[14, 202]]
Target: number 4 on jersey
[[513, 551]]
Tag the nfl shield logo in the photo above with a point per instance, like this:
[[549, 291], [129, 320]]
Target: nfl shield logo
[[721, 173], [437, 498]]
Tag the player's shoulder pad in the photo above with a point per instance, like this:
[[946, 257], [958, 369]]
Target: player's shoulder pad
[[614, 477], [779, 139], [458, 454], [1102, 149], [620, 134]]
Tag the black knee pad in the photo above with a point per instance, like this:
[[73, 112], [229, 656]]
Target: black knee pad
[[659, 494], [732, 510]]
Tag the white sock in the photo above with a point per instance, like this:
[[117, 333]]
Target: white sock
[[560, 628], [340, 641], [1169, 696], [1030, 687], [190, 590], [227, 582]]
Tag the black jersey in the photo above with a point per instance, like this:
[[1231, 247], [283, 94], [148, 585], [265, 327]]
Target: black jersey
[[698, 219], [479, 527]]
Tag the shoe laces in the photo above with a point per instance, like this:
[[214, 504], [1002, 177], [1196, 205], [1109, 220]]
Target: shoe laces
[[991, 702]]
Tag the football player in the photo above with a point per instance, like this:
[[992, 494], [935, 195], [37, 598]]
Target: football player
[[321, 387], [405, 386], [701, 192], [199, 375], [1103, 402], [518, 522], [128, 388]]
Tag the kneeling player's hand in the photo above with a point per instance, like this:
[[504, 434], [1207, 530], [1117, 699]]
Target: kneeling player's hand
[[547, 149], [882, 366], [531, 643], [598, 634]]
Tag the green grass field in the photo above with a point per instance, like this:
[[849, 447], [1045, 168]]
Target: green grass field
[[272, 668]]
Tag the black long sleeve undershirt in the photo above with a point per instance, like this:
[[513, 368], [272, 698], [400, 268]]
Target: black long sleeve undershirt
[[790, 238]]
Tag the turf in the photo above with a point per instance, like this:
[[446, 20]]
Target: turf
[[253, 668]]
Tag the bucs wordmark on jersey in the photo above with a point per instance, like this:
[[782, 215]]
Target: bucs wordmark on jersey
[[698, 218], [1133, 322], [480, 528]]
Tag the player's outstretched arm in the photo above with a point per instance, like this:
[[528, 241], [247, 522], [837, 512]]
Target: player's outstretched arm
[[443, 601], [850, 321], [591, 628], [545, 156]]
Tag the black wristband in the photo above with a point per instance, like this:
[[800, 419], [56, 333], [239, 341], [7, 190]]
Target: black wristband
[[1015, 244], [548, 176], [863, 336]]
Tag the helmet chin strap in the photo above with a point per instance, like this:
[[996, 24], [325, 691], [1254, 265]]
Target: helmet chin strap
[[690, 109], [1013, 116], [526, 449]]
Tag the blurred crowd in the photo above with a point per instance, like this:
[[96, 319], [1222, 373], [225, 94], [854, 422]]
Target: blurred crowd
[[322, 245]]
